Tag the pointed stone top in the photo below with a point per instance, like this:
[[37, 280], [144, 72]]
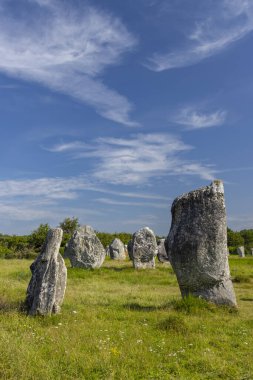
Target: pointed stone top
[[51, 246], [147, 229], [86, 230], [217, 186]]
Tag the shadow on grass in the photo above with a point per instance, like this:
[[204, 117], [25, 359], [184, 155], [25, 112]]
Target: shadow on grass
[[118, 269], [187, 305], [246, 299], [138, 307], [242, 278], [11, 306]]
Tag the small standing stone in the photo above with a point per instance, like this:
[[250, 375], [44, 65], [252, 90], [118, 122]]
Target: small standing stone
[[84, 249], [251, 251], [144, 248], [197, 245], [162, 253], [241, 251], [47, 286], [130, 249], [117, 250], [107, 251]]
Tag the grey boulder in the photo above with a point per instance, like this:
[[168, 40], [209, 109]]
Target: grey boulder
[[117, 250], [241, 251], [47, 286], [144, 248], [197, 245], [130, 249], [162, 254], [84, 249]]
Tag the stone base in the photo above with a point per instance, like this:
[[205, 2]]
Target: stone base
[[144, 265], [220, 294]]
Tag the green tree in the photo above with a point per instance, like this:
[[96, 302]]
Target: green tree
[[69, 225], [38, 236], [248, 239], [235, 240]]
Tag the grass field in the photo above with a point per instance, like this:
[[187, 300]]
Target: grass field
[[118, 323]]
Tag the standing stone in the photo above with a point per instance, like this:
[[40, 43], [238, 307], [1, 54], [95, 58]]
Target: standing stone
[[251, 251], [241, 251], [84, 249], [130, 249], [117, 250], [47, 286], [197, 245], [107, 251], [144, 248], [162, 253]]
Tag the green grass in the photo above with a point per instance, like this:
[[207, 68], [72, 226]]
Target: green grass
[[118, 323]]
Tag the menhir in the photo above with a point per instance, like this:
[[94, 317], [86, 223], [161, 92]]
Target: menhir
[[197, 245], [47, 286], [143, 248], [84, 249]]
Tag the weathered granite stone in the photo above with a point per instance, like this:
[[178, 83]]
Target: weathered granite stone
[[241, 251], [130, 249], [47, 286], [144, 248], [251, 251], [162, 254], [107, 250], [84, 249], [117, 250], [197, 245]]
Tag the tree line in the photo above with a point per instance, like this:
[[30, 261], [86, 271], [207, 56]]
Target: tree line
[[240, 238], [28, 246]]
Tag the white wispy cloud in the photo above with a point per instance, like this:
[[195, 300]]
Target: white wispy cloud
[[139, 159], [130, 203], [50, 189], [67, 147], [67, 50], [229, 22], [50, 200], [35, 210], [194, 119]]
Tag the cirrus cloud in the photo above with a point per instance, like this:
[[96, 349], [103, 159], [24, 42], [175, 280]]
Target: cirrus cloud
[[226, 24], [66, 50], [137, 159]]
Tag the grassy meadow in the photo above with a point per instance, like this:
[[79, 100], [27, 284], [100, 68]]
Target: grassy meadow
[[119, 323]]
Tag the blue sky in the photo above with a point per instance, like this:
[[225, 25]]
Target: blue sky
[[109, 110]]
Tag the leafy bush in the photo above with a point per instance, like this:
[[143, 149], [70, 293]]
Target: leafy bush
[[38, 237]]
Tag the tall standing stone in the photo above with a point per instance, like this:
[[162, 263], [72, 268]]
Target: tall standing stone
[[144, 248], [162, 254], [241, 251], [84, 249], [117, 250], [47, 286], [197, 245]]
